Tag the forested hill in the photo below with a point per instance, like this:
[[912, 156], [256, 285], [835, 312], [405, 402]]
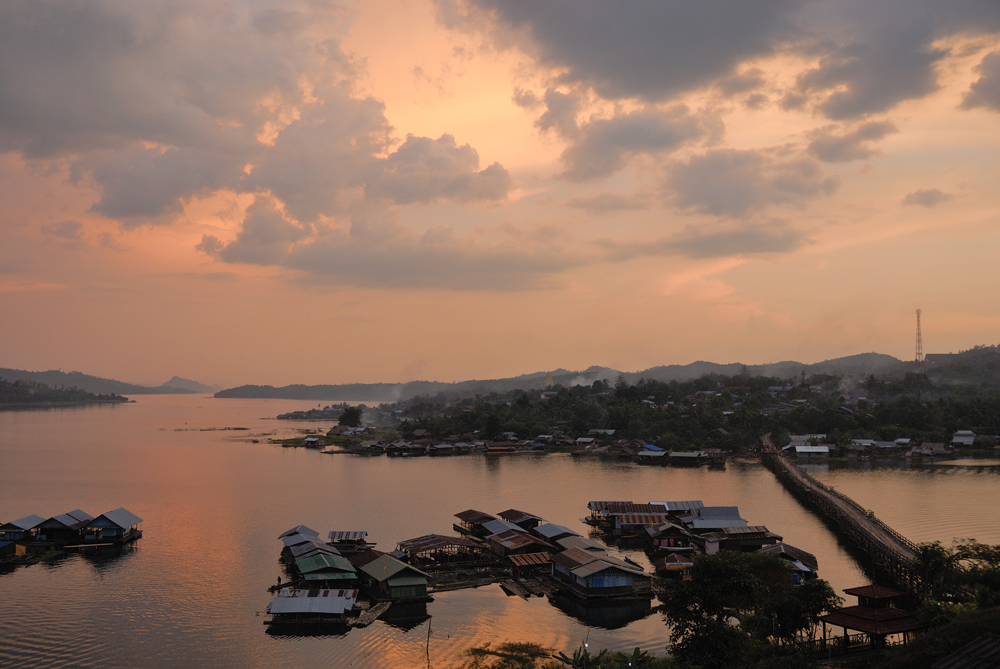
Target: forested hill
[[90, 384], [853, 368], [15, 394]]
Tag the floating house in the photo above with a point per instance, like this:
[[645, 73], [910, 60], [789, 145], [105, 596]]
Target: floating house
[[22, 529], [65, 528], [437, 548], [582, 543], [515, 542], [351, 541], [327, 569], [530, 563], [323, 606], [804, 565], [740, 539], [471, 522], [500, 525], [118, 526], [588, 576], [388, 578], [551, 532], [669, 538], [309, 549], [673, 565], [713, 518], [526, 521]]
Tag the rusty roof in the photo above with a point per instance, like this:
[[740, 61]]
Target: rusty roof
[[474, 517], [434, 541], [641, 518], [513, 540], [515, 516], [530, 559], [983, 653], [575, 557]]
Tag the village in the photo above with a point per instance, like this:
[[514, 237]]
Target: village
[[29, 539], [344, 581]]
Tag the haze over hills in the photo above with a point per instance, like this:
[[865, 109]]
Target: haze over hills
[[101, 386], [851, 368]]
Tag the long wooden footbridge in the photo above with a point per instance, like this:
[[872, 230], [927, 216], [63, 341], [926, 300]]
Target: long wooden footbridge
[[884, 550]]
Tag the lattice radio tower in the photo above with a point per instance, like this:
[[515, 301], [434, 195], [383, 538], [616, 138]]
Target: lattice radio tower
[[920, 343]]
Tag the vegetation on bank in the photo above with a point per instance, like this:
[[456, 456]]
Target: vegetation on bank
[[15, 394], [713, 412]]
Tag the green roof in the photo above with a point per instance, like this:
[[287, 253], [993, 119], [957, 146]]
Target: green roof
[[401, 581], [324, 562], [330, 576], [386, 567]]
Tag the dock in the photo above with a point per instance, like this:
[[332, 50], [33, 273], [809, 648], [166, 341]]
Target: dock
[[884, 549], [371, 615]]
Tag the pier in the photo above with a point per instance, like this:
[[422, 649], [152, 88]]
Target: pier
[[884, 550]]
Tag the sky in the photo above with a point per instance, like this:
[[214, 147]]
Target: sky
[[314, 191]]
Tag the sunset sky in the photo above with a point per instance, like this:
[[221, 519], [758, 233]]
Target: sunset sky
[[304, 191]]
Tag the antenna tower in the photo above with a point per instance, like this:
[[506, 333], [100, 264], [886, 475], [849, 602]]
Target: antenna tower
[[920, 343]]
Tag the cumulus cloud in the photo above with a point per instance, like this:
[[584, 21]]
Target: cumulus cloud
[[831, 147], [378, 252], [985, 91], [868, 57], [424, 169], [650, 50], [159, 102], [926, 197], [739, 183], [603, 146]]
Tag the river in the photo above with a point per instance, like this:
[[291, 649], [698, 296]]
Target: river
[[193, 591]]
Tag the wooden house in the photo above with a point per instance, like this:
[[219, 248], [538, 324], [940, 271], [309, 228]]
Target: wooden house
[[118, 526], [388, 578], [22, 529], [66, 528], [329, 570], [589, 575], [471, 522]]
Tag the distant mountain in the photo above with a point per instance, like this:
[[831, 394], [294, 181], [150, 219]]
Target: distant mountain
[[188, 384], [852, 368], [92, 384]]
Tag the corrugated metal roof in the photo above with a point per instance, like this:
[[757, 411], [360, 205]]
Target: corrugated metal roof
[[474, 517], [324, 562], [714, 523], [530, 559], [304, 549], [80, 516], [641, 518], [499, 525], [794, 553], [122, 518], [386, 566], [299, 529], [332, 602], [28, 522], [582, 543], [598, 566], [435, 541], [681, 506], [749, 529], [296, 539], [515, 516], [819, 449], [575, 557], [550, 530], [356, 535], [719, 512]]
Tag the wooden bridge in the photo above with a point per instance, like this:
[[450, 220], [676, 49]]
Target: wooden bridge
[[884, 550]]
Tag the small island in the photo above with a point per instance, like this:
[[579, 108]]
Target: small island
[[31, 395]]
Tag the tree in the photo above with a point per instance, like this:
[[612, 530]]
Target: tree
[[350, 416], [740, 607]]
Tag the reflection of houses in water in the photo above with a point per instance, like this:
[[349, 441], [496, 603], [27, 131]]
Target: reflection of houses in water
[[608, 615], [406, 615]]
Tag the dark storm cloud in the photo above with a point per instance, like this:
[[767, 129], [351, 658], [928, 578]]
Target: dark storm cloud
[[831, 147], [739, 183]]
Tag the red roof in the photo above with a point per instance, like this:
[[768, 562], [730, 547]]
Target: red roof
[[874, 592]]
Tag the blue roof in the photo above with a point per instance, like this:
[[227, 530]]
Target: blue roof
[[650, 447]]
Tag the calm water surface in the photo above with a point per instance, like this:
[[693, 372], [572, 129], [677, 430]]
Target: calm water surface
[[213, 505]]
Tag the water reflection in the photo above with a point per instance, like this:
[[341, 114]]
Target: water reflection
[[606, 615], [406, 616]]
